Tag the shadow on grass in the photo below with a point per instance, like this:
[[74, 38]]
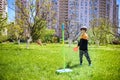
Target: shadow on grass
[[71, 67], [74, 66]]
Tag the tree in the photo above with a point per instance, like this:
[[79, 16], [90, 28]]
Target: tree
[[3, 30], [33, 17], [102, 27], [102, 32], [48, 36], [15, 32], [3, 22]]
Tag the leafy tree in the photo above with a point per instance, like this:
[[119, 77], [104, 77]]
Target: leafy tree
[[102, 32], [3, 30], [48, 35], [3, 22], [15, 32], [102, 28], [34, 16]]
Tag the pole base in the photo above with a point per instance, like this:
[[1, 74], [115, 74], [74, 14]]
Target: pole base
[[63, 70]]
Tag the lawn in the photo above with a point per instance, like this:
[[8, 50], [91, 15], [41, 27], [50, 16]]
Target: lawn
[[41, 62]]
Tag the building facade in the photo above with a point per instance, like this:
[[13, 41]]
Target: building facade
[[119, 27], [4, 12], [84, 10], [76, 13], [3, 8], [51, 12], [81, 12], [55, 9], [73, 18], [69, 15], [63, 16]]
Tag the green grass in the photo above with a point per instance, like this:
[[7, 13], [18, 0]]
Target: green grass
[[41, 63]]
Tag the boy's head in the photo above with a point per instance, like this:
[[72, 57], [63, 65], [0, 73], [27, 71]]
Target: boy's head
[[83, 29]]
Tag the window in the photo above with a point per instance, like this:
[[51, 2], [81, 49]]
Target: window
[[77, 4], [86, 12], [95, 9], [81, 7], [90, 3], [77, 13], [85, 3], [81, 3], [85, 19], [80, 14]]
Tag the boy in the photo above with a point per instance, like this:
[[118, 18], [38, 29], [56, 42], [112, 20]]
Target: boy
[[83, 45]]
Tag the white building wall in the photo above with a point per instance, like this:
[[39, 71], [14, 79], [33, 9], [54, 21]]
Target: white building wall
[[111, 11], [84, 10]]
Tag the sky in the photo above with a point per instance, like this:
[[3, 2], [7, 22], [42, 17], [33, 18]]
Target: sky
[[118, 2], [11, 12]]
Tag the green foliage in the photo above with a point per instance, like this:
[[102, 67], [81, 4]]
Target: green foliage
[[48, 36], [91, 36], [3, 26], [35, 17], [14, 31], [101, 31], [3, 22], [41, 63], [38, 29], [3, 38]]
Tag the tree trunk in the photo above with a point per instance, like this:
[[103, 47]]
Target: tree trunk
[[28, 42], [97, 43], [18, 41], [70, 42], [27, 46]]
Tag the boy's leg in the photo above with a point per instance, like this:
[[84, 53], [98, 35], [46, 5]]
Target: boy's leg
[[87, 57], [81, 56]]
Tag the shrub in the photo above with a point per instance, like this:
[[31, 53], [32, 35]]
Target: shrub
[[48, 36], [3, 38]]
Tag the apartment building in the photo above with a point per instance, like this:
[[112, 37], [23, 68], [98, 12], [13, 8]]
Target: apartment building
[[3, 8]]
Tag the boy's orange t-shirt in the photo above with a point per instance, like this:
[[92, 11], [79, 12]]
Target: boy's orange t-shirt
[[84, 36]]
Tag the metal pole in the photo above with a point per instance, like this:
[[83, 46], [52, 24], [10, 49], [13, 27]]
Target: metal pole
[[64, 65], [63, 33]]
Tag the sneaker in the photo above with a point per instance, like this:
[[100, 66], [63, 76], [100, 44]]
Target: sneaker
[[80, 64], [90, 64]]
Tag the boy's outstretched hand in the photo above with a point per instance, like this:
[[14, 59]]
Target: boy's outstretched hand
[[75, 49]]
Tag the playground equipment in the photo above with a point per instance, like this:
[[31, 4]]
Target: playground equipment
[[64, 70]]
